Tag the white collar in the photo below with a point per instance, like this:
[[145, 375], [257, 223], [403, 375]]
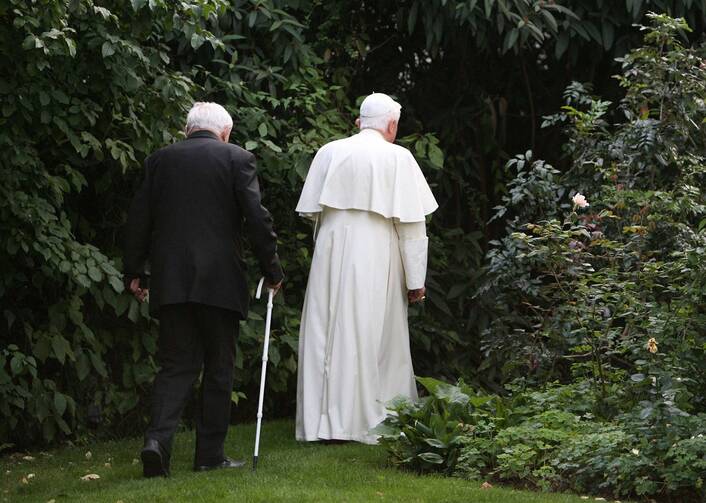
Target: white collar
[[372, 133]]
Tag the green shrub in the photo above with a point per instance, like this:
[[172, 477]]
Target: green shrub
[[578, 293], [600, 308], [687, 464], [428, 435], [96, 87], [518, 440]]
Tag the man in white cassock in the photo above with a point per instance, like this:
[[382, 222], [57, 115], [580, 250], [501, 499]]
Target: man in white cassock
[[368, 200]]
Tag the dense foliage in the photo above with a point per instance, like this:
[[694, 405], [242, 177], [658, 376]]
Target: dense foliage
[[97, 86], [90, 87], [605, 296], [545, 439], [481, 78]]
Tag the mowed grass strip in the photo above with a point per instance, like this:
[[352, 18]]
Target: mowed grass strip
[[287, 471]]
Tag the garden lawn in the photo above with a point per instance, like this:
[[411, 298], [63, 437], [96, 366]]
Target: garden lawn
[[287, 471]]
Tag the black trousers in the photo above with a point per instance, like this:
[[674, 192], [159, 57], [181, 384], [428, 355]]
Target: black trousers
[[191, 337]]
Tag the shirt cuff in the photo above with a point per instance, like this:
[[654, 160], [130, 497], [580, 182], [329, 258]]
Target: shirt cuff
[[414, 259]]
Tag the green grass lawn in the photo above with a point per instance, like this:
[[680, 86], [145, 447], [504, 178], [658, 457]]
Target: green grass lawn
[[287, 471]]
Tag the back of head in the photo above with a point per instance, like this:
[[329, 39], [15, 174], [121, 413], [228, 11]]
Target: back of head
[[377, 110], [209, 116]]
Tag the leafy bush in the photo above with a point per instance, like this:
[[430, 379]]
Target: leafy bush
[[598, 308], [428, 435], [457, 431], [97, 87], [581, 295]]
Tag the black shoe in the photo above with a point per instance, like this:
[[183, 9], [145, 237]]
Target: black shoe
[[154, 462], [226, 463]]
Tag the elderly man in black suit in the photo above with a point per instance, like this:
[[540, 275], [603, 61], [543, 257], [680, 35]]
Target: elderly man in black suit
[[185, 226]]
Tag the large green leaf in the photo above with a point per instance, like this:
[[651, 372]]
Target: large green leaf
[[60, 346], [60, 403], [435, 442], [430, 384], [451, 394], [431, 457]]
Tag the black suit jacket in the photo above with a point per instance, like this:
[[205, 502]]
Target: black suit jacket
[[187, 221]]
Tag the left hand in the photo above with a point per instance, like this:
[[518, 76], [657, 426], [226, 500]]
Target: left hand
[[418, 295], [139, 293]]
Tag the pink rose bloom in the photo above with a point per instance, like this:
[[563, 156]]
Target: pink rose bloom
[[580, 201]]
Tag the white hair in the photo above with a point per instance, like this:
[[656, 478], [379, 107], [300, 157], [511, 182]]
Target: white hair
[[379, 122], [210, 116]]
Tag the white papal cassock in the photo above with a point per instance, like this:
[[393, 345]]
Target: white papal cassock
[[369, 200]]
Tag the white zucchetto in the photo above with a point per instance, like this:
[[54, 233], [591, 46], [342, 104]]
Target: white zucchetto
[[378, 104]]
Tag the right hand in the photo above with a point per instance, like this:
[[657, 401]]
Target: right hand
[[139, 293], [418, 295], [275, 288]]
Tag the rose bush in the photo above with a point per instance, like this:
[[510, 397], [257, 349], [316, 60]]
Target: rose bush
[[598, 308]]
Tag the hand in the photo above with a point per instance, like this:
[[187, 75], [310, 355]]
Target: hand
[[139, 293], [275, 288], [418, 295]]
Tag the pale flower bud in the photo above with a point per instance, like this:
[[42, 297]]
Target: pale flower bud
[[652, 345], [579, 201]]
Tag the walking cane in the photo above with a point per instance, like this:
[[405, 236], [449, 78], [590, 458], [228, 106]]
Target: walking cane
[[263, 374]]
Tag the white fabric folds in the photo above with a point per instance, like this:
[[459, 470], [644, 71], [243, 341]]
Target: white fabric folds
[[414, 260], [413, 250], [369, 200], [354, 352], [365, 172]]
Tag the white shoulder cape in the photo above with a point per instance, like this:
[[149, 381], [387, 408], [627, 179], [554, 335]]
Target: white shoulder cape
[[365, 172]]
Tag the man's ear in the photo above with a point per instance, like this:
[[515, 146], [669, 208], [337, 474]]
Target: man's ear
[[357, 123], [392, 128], [225, 135]]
